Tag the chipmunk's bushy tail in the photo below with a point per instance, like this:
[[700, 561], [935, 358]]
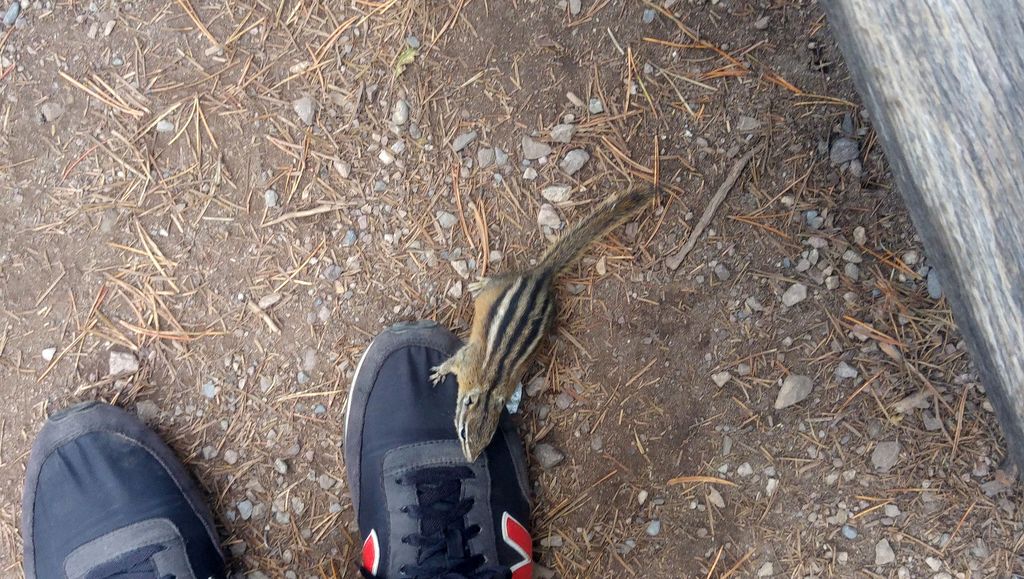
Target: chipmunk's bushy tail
[[611, 213]]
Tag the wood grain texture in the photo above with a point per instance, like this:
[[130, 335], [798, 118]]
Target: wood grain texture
[[944, 84]]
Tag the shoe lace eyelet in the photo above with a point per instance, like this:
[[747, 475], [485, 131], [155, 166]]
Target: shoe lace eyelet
[[398, 481], [404, 509], [403, 570]]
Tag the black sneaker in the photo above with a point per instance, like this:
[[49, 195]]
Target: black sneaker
[[423, 511], [105, 497]]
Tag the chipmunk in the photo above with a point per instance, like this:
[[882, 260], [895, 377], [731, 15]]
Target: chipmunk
[[512, 313]]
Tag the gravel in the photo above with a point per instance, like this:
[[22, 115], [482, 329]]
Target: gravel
[[280, 466], [51, 111], [575, 6], [563, 133], [884, 554], [400, 112], [722, 272], [595, 106], [49, 353], [533, 150], [245, 509], [648, 16], [795, 389], [844, 150], [446, 220], [721, 378], [762, 23], [766, 570], [885, 455], [484, 157], [230, 456], [747, 124], [653, 528], [849, 532], [326, 481], [934, 287], [122, 363], [147, 410], [715, 498], [794, 295], [305, 108], [852, 271], [844, 370], [500, 157], [860, 235], [557, 193], [745, 470], [548, 217], [463, 140], [209, 389], [574, 161], [165, 126], [270, 198], [11, 16], [547, 456]]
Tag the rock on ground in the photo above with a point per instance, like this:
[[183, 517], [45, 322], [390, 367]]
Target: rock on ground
[[574, 161], [548, 217], [885, 455], [794, 295], [563, 133], [547, 456], [844, 150], [884, 553], [462, 141], [533, 150], [557, 193], [747, 124], [122, 363], [795, 389], [305, 108]]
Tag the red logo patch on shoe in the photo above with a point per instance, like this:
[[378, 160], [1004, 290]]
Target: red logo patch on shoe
[[517, 537], [371, 553]]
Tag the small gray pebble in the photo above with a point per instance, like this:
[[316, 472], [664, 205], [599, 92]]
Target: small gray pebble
[[209, 389], [653, 528], [849, 532], [463, 140], [11, 16], [547, 456], [280, 466], [574, 161], [934, 287], [844, 150], [270, 198], [595, 106], [245, 509], [648, 16]]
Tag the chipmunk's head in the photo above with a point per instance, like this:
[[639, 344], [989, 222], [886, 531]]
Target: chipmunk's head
[[476, 419]]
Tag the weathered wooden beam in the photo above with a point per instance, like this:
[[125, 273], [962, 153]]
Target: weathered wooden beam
[[944, 84]]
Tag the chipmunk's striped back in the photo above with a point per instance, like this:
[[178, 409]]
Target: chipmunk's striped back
[[512, 314], [516, 322]]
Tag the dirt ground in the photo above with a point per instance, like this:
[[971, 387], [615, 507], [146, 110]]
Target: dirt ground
[[139, 142]]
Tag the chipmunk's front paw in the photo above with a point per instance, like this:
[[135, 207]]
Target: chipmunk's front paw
[[438, 374]]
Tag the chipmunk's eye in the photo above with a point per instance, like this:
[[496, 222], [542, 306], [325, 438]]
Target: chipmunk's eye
[[469, 402]]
